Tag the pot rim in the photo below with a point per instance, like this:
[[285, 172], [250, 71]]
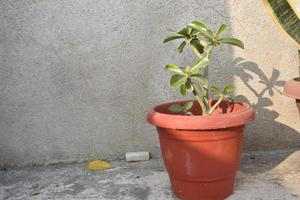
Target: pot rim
[[200, 122], [292, 88], [297, 79]]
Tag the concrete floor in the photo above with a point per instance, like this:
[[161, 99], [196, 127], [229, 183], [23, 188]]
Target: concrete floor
[[263, 175]]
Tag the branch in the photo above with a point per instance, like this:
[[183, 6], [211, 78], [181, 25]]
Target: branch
[[215, 105], [197, 52], [203, 107]]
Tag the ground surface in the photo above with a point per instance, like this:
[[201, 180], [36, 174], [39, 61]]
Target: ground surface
[[263, 176]]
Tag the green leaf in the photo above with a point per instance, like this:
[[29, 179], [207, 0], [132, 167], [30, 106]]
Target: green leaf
[[228, 89], [193, 31], [197, 25], [216, 91], [201, 62], [188, 105], [286, 15], [185, 32], [181, 46], [206, 34], [177, 80], [183, 89], [232, 41], [175, 108], [201, 79], [203, 42], [196, 44], [200, 26], [188, 41], [174, 68], [221, 30], [173, 37]]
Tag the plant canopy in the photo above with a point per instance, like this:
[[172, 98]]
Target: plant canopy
[[195, 79]]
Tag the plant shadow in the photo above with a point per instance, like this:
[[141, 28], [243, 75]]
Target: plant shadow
[[266, 133]]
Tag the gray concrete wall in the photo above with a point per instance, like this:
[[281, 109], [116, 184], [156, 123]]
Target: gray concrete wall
[[78, 77]]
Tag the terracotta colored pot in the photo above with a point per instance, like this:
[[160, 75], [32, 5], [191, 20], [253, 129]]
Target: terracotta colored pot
[[200, 153], [292, 89]]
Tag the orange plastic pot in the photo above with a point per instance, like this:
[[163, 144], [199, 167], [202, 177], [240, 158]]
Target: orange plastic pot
[[292, 89], [202, 153]]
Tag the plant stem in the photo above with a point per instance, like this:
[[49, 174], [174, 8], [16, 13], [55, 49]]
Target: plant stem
[[204, 100], [203, 107], [205, 73], [215, 105], [197, 52]]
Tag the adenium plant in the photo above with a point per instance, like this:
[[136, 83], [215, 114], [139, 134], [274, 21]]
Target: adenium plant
[[195, 79]]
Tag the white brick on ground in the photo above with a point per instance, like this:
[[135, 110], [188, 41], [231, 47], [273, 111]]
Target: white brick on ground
[[137, 156]]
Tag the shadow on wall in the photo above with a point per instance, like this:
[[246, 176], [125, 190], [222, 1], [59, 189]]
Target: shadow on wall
[[279, 133]]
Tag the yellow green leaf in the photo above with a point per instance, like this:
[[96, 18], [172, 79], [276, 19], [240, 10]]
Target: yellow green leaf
[[98, 165]]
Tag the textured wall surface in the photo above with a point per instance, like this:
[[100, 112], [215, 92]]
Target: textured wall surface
[[269, 59], [78, 77]]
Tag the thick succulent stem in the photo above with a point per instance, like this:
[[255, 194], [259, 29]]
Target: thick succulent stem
[[201, 103], [205, 73], [215, 105]]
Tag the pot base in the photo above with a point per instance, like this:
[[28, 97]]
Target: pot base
[[216, 190]]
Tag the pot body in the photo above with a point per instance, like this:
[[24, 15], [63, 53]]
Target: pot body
[[298, 105], [292, 89], [202, 153], [202, 164]]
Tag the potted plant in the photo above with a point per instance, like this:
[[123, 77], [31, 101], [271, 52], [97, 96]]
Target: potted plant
[[201, 140], [292, 89], [284, 15]]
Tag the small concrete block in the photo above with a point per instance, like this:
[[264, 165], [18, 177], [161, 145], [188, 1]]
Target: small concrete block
[[137, 156]]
